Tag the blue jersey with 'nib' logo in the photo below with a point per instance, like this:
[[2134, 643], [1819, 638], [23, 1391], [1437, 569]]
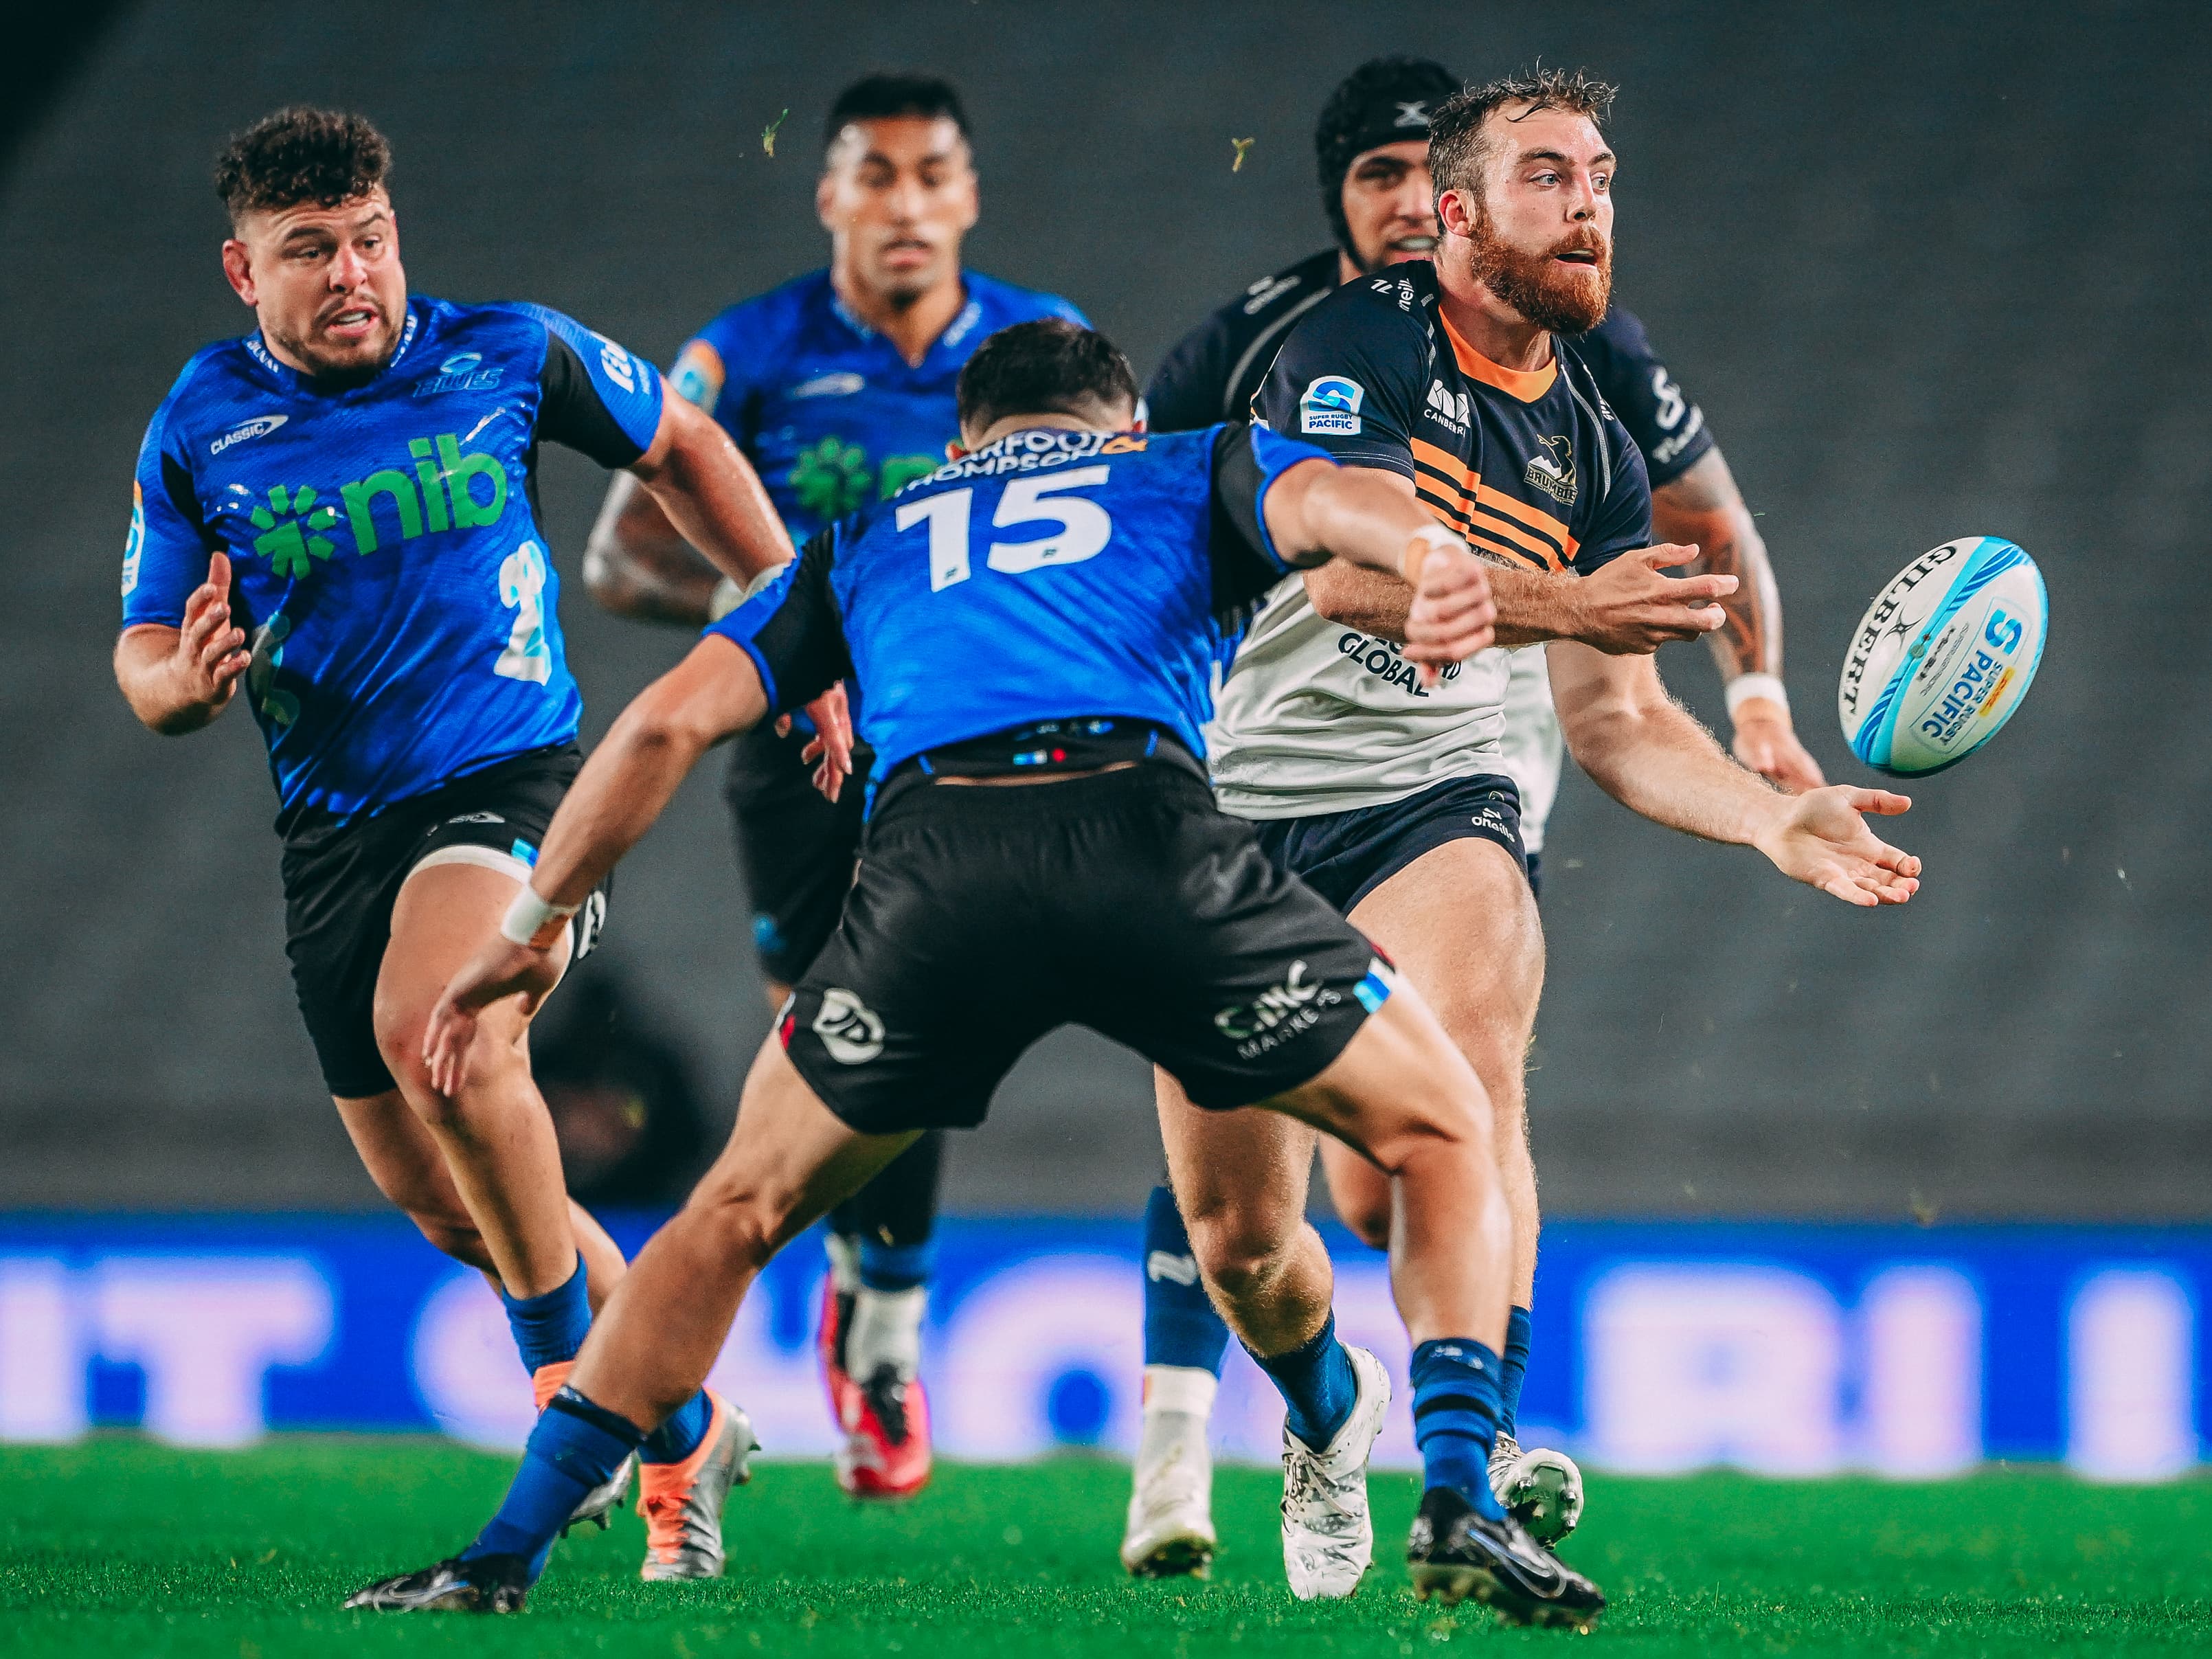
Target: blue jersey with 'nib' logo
[[1049, 575], [387, 564]]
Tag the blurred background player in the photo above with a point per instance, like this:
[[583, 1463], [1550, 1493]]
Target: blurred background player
[[399, 641], [839, 386], [1371, 143]]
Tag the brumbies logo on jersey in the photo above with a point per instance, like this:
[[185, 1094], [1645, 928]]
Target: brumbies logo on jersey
[[1330, 407], [1553, 471]]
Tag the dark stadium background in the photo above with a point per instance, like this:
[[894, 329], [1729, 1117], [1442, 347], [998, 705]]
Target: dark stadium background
[[1930, 270]]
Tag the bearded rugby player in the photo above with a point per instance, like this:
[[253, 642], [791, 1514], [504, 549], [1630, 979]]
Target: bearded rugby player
[[1392, 798], [399, 641], [839, 386]]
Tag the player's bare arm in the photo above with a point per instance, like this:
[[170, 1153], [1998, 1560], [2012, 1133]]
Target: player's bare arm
[[1631, 606], [636, 563], [1647, 753], [1704, 509], [709, 494], [178, 679], [715, 693], [1358, 516]]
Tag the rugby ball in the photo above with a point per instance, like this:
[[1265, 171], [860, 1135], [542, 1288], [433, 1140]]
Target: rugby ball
[[1944, 656]]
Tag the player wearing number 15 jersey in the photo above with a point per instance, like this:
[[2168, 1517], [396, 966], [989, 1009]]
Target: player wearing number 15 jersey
[[337, 513]]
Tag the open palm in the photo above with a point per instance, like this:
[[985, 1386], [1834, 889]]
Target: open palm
[[1823, 841]]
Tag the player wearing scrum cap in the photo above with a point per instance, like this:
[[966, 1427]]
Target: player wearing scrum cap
[[1392, 798]]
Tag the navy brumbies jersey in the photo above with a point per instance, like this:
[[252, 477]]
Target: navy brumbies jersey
[[1051, 576], [831, 416], [1533, 469], [1216, 370], [386, 560]]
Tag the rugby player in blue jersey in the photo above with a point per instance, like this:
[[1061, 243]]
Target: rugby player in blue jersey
[[839, 386], [1041, 849], [1472, 382], [337, 515]]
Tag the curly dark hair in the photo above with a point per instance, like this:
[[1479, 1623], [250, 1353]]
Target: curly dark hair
[[298, 155], [1456, 148]]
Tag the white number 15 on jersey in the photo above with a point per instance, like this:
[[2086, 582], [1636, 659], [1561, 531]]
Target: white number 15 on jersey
[[1084, 527]]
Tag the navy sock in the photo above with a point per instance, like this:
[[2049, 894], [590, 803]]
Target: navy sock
[[575, 1447], [1513, 1370], [680, 1437], [896, 1266], [1318, 1385], [1180, 1327], [550, 1328], [1455, 1417]]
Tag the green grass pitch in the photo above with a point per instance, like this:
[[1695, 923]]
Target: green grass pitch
[[117, 1547]]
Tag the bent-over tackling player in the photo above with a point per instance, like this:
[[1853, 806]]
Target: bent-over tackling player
[[1042, 849], [338, 514], [838, 387]]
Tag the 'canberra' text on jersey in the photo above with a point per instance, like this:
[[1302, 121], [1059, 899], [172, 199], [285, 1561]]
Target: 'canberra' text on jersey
[[1048, 575], [386, 560]]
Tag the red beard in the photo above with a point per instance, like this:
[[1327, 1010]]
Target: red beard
[[1551, 295]]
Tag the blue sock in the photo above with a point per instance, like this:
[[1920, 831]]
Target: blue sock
[[1318, 1385], [550, 1328], [1180, 1327], [575, 1447], [1455, 1417], [896, 1266], [680, 1437], [1513, 1370]]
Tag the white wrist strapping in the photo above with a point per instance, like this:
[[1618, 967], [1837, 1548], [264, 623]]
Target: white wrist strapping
[[532, 921], [1435, 536], [726, 597], [1744, 687]]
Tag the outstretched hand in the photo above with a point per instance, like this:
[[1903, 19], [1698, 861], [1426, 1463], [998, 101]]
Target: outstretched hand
[[499, 969], [1821, 839], [210, 653], [1631, 606], [1452, 614], [832, 745]]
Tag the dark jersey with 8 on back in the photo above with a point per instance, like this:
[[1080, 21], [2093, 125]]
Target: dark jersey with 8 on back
[[1056, 597], [1533, 469]]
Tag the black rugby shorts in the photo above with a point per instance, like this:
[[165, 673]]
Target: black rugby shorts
[[985, 916], [1345, 856], [342, 880]]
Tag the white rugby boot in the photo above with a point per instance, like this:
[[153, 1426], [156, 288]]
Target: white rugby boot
[[1171, 1529], [1329, 1537], [1541, 1489]]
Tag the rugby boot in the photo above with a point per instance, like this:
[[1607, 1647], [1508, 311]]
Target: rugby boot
[[1541, 1489], [490, 1584], [682, 1503], [1329, 1537], [598, 1504], [884, 1452], [1170, 1528], [1455, 1553]]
